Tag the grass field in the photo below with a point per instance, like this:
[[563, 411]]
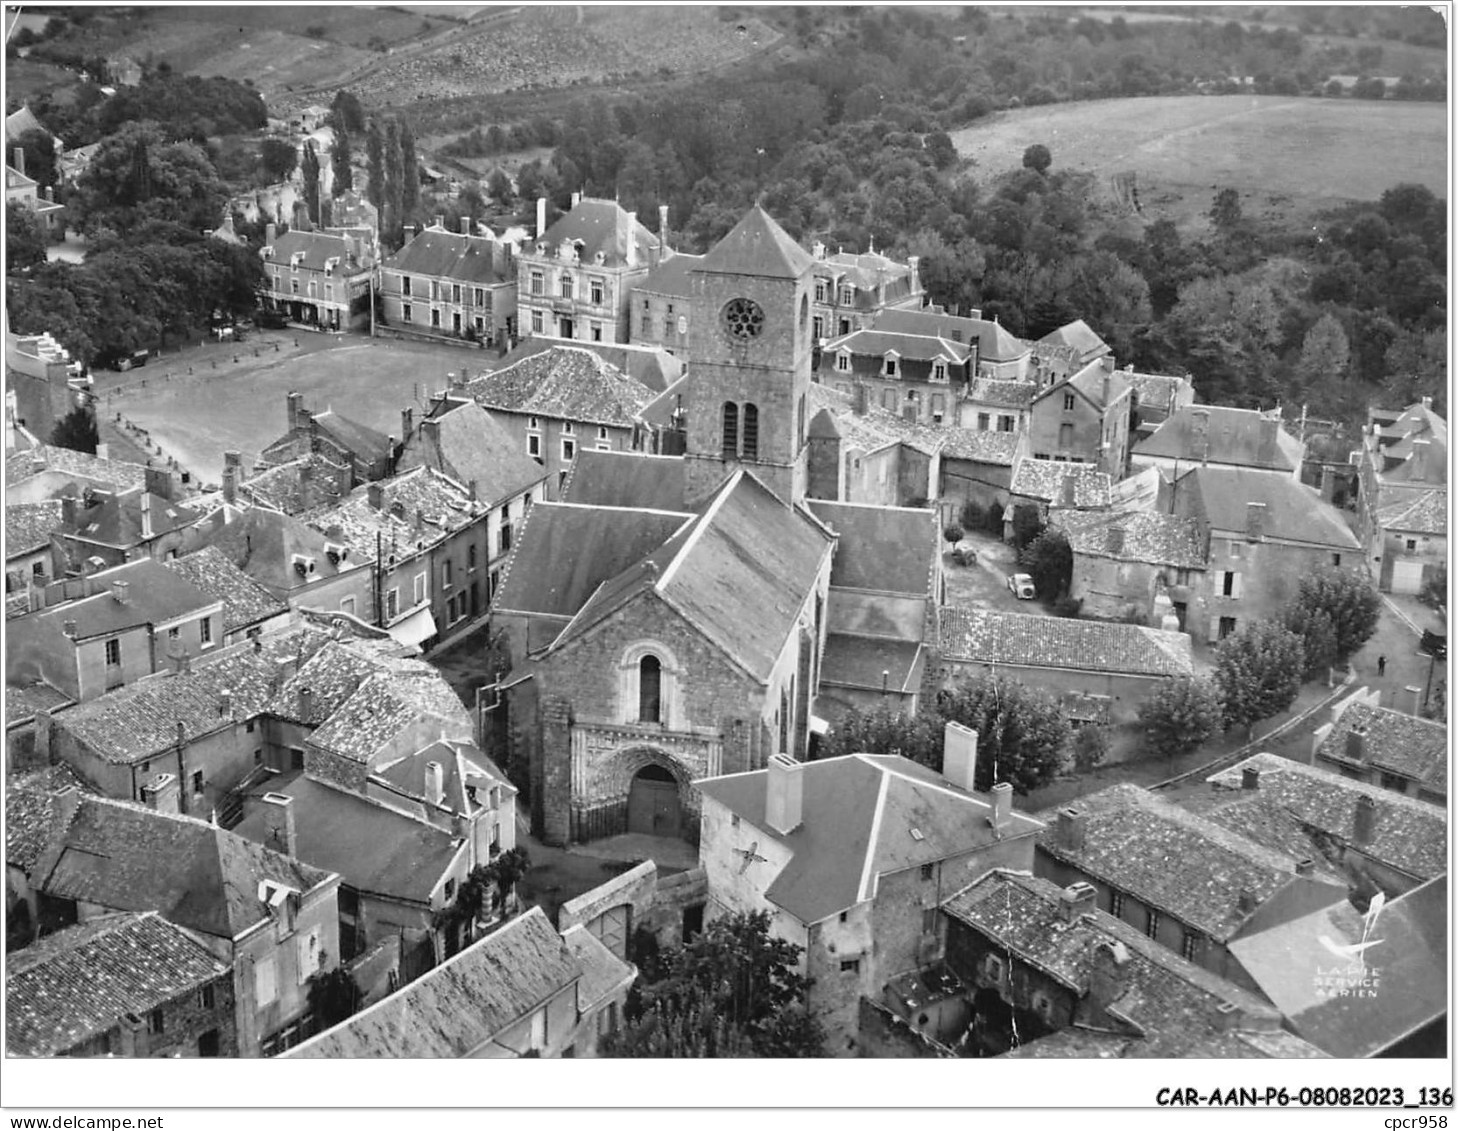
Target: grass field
[[1292, 156]]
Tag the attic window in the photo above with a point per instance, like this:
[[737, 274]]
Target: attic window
[[916, 834]]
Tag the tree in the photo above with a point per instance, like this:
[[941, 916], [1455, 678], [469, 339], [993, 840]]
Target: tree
[[136, 176], [498, 184], [25, 239], [76, 430], [1348, 599], [409, 174], [1325, 355], [733, 990], [1258, 671], [953, 533], [1027, 524], [1022, 735], [1037, 158], [887, 731], [1090, 747], [346, 113], [1048, 558], [375, 156], [1180, 715], [1318, 637], [309, 168], [279, 158], [392, 220], [341, 158], [334, 996], [40, 156], [1225, 213]]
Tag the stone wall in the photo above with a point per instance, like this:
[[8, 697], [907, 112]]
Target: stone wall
[[881, 1034]]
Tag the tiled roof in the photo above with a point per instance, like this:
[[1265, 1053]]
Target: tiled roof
[[1233, 436], [1155, 391], [263, 543], [757, 246], [298, 484], [22, 701], [601, 226], [146, 718], [1407, 834], [878, 343], [461, 1005], [373, 846], [130, 858], [874, 429], [890, 549], [1403, 971], [1143, 536], [1294, 511], [33, 816], [1402, 743], [440, 254], [1194, 869], [1001, 393], [649, 365], [461, 439], [245, 602], [1044, 478], [117, 521], [565, 383], [995, 343], [858, 816], [419, 508], [64, 461], [1171, 1007], [565, 551], [68, 987], [671, 276], [1426, 514], [28, 526], [603, 972], [317, 248], [1000, 448], [155, 594], [625, 479], [1079, 335], [988, 636]]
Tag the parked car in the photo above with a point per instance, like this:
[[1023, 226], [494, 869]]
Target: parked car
[[1020, 585]]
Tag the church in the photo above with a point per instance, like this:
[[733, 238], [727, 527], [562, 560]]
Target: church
[[670, 618]]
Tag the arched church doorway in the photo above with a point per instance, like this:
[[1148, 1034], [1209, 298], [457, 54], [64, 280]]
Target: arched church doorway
[[653, 803]]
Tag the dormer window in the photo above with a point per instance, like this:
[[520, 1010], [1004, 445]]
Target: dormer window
[[296, 259], [890, 365], [847, 296], [268, 253], [820, 290], [843, 361], [939, 371]]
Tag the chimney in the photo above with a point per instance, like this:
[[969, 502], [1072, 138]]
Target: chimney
[[429, 435], [295, 403], [817, 249], [1255, 521], [862, 397], [306, 702], [68, 628], [1001, 806], [1116, 540], [133, 1039], [119, 591], [146, 513], [1428, 403], [440, 222], [1070, 488], [1270, 425], [1105, 402], [1200, 434], [1078, 899], [1072, 824], [1419, 459], [270, 233], [630, 253], [70, 505], [19, 161], [1357, 744], [959, 756], [281, 819], [225, 704], [306, 474], [1305, 867], [1246, 902], [232, 464], [1108, 978], [465, 225], [472, 489], [1414, 700], [376, 495], [784, 794], [407, 424], [162, 794], [1250, 777], [1364, 821], [434, 783], [663, 232], [541, 216], [158, 481]]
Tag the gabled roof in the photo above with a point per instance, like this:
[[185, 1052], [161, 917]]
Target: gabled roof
[[79, 466], [419, 507], [994, 343], [863, 816], [466, 773], [245, 602], [1241, 437], [671, 277], [80, 982], [565, 551], [874, 429], [196, 875], [263, 544], [1078, 335], [1044, 479], [1001, 393], [1170, 1007], [987, 636], [649, 365], [872, 663], [625, 479], [757, 246], [155, 595], [1425, 514], [296, 485], [317, 249], [1294, 511], [366, 444], [441, 254], [1155, 391], [914, 347], [601, 226], [117, 521], [1392, 740], [1182, 865], [1407, 834], [975, 446], [565, 383], [1150, 537], [18, 123], [1362, 1005], [463, 1004], [1090, 382], [28, 526], [889, 549], [461, 439]]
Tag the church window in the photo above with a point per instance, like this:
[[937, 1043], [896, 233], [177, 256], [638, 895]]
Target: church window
[[742, 318], [751, 432], [804, 311], [731, 430], [650, 690]]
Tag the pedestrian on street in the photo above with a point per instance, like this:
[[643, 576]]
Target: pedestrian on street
[[1381, 666]]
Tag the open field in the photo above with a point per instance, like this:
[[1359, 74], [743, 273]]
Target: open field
[[1292, 155], [241, 406]]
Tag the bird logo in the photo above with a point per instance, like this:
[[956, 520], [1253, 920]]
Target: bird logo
[[1354, 951], [751, 855]]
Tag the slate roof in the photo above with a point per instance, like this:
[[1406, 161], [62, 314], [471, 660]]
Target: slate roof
[[1148, 536], [872, 430], [995, 343], [860, 661], [757, 246], [601, 226], [1000, 448], [603, 972], [663, 411], [78, 983], [245, 602], [433, 507], [1090, 382], [471, 446], [739, 574], [890, 549], [1171, 1007], [401, 783], [364, 442], [1181, 864], [988, 636], [1155, 391], [1233, 437], [117, 521], [298, 484], [1407, 834], [1405, 970], [870, 271], [1043, 479], [196, 875], [858, 813], [1294, 511], [1426, 514], [318, 248], [625, 479], [375, 848], [878, 343], [81, 465], [1416, 748], [440, 254], [28, 526], [263, 542], [1001, 393], [565, 383], [463, 1003], [22, 701], [565, 551], [671, 277], [144, 719], [1079, 335]]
